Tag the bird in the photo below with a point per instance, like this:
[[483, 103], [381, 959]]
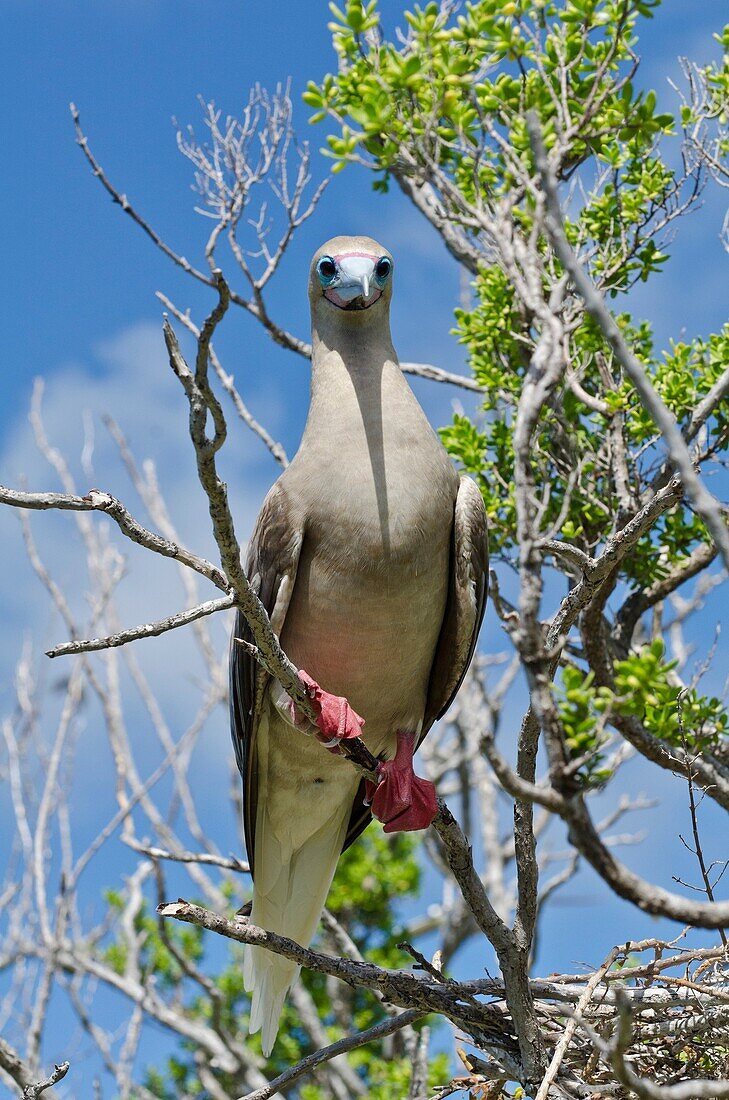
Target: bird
[[370, 556]]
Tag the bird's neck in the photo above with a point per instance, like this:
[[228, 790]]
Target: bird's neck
[[355, 341], [364, 427], [352, 371]]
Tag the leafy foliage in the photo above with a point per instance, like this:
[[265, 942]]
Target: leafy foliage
[[645, 688]]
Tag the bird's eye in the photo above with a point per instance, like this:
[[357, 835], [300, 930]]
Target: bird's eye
[[383, 267], [326, 269]]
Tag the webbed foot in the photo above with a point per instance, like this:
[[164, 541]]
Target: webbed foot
[[336, 720], [401, 800]]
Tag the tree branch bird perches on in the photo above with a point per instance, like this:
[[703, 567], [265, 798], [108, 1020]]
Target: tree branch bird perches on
[[370, 556]]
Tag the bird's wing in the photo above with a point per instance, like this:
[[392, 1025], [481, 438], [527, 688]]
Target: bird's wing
[[466, 602], [465, 606], [359, 818], [271, 563]]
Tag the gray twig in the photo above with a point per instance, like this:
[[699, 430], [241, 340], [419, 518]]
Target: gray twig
[[98, 501], [32, 1091], [146, 630], [228, 863], [349, 1042]]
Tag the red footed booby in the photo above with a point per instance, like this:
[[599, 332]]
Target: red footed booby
[[370, 556]]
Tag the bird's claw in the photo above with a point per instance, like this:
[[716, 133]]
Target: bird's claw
[[400, 799], [336, 720]]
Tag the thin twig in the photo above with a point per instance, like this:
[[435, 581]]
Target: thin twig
[[349, 1042], [31, 1092], [228, 863], [98, 501], [228, 383], [437, 374], [146, 630]]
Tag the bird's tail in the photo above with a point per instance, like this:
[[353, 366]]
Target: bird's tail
[[289, 893]]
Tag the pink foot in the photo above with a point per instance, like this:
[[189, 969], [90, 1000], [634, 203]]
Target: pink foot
[[336, 720], [402, 800]]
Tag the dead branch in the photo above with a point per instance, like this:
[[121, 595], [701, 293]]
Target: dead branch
[[13, 1065], [342, 1046], [228, 383], [32, 1091], [146, 630], [397, 987], [281, 337], [228, 863], [98, 501]]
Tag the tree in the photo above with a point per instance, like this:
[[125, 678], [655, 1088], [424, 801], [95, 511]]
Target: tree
[[521, 133]]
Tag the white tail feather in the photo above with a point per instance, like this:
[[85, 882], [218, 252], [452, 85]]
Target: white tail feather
[[297, 885]]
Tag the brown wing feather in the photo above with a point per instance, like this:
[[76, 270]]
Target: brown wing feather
[[272, 557], [466, 603]]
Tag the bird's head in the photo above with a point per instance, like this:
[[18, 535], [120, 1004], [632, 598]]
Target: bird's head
[[350, 280]]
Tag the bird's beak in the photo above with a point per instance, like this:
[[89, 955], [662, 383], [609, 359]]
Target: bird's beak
[[356, 277]]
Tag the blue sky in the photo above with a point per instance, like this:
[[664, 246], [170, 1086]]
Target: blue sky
[[79, 307]]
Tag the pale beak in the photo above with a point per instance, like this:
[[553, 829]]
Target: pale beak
[[356, 277]]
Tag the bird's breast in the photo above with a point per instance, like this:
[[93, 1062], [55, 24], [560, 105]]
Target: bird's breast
[[371, 587]]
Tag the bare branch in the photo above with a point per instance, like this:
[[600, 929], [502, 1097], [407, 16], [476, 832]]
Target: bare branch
[[397, 987], [228, 383], [146, 630], [32, 1091], [228, 863], [349, 1042], [285, 339], [127, 207], [706, 406], [13, 1065], [647, 896], [98, 501], [437, 374]]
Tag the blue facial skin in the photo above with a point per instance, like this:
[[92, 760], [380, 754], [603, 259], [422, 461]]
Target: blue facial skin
[[326, 269], [383, 267]]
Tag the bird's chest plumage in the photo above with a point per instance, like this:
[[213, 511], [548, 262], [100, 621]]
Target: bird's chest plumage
[[389, 488], [372, 580], [388, 522]]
